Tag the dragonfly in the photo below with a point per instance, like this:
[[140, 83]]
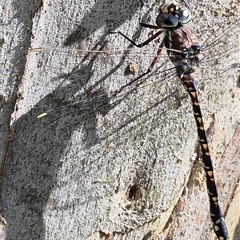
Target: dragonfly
[[177, 57], [185, 52]]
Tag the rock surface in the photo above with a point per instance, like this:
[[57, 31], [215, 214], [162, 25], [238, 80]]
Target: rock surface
[[99, 166]]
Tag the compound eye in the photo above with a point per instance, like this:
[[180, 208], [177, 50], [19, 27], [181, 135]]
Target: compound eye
[[184, 16], [167, 20]]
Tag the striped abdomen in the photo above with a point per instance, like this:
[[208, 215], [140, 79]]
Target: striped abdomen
[[188, 79]]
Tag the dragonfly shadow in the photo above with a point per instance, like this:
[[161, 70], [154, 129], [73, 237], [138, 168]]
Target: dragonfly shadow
[[38, 146]]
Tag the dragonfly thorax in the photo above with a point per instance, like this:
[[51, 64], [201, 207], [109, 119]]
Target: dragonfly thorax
[[183, 47], [173, 15]]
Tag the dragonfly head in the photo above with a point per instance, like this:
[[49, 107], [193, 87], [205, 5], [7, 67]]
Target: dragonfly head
[[173, 15]]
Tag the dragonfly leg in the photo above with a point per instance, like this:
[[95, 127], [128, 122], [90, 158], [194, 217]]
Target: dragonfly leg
[[140, 44], [148, 25]]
